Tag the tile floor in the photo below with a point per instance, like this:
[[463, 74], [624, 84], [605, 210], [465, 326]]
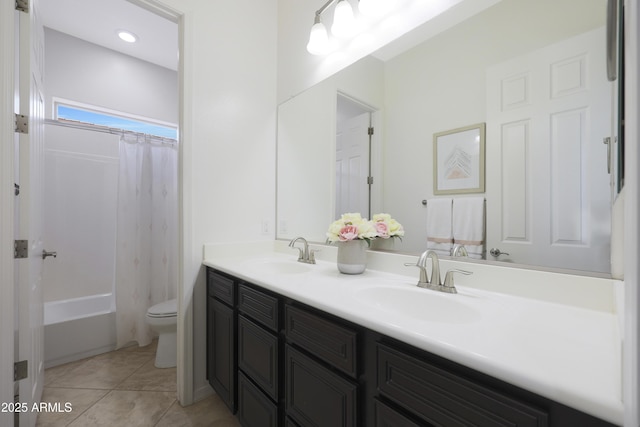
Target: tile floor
[[124, 388]]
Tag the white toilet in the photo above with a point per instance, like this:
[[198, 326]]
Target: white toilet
[[163, 319]]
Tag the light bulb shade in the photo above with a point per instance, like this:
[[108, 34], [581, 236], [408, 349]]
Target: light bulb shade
[[344, 24], [318, 40]]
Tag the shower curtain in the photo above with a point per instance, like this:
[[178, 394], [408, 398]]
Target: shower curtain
[[146, 236]]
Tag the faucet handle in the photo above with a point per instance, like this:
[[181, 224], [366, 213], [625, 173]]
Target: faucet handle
[[312, 255], [448, 278]]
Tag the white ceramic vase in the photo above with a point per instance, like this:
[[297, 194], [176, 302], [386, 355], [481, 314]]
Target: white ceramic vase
[[352, 256]]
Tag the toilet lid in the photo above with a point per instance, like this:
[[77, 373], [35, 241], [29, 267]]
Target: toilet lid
[[164, 309]]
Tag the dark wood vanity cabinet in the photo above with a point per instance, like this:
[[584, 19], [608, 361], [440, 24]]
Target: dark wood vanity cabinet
[[321, 370], [221, 337], [283, 363], [444, 398], [259, 358]]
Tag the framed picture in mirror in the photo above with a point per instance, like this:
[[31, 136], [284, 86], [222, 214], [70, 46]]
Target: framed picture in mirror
[[458, 160]]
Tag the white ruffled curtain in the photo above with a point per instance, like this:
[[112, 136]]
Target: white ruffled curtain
[[147, 234]]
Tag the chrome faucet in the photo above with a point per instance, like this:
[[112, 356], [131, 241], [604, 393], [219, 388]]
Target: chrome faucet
[[435, 268], [459, 250], [422, 265], [433, 282], [305, 255], [425, 281]]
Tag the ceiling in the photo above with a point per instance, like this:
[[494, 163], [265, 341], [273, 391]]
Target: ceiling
[[97, 21]]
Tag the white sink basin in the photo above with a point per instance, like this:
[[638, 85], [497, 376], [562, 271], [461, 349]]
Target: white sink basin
[[279, 266], [423, 304]]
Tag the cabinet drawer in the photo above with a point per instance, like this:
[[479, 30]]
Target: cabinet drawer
[[258, 355], [325, 339], [220, 287], [259, 306], [445, 399], [316, 396], [254, 408], [387, 417]]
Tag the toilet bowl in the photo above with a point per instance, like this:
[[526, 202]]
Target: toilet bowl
[[163, 319]]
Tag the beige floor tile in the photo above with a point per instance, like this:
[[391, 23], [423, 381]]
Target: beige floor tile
[[104, 371], [52, 374], [124, 388], [126, 408], [150, 378], [210, 412], [151, 348], [78, 399]]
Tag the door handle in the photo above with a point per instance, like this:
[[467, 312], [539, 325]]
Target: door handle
[[607, 141], [495, 252], [47, 253]]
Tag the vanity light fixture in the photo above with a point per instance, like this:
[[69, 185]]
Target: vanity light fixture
[[343, 20], [344, 26], [318, 38], [127, 36]]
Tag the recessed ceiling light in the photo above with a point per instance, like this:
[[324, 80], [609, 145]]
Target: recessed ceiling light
[[127, 36]]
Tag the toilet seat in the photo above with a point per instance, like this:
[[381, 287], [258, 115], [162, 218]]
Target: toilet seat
[[164, 309]]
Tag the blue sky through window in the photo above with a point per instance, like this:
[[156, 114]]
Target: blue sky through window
[[103, 119]]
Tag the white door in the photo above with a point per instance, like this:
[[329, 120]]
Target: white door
[[29, 210], [352, 165], [548, 192]]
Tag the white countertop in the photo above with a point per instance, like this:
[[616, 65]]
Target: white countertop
[[567, 353]]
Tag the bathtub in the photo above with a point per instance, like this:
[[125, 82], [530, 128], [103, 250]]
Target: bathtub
[[78, 328]]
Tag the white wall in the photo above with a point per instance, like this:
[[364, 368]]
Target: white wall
[[84, 72], [228, 149]]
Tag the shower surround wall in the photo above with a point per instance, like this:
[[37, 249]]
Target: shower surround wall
[[81, 188]]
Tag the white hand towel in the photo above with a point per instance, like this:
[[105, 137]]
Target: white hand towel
[[468, 224], [439, 231]]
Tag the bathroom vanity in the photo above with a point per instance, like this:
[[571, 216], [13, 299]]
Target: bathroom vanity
[[290, 344]]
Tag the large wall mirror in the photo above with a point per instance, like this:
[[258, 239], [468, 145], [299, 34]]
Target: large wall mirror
[[532, 72]]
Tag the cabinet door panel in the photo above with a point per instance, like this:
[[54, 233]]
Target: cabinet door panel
[[317, 397], [222, 369], [254, 408], [445, 399], [258, 355]]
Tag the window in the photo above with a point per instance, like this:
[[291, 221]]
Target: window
[[112, 120]]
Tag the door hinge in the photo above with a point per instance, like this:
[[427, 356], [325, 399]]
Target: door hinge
[[22, 6], [20, 370], [20, 249], [370, 131], [370, 180], [16, 189], [21, 124]]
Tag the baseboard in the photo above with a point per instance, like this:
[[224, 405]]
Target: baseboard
[[202, 393]]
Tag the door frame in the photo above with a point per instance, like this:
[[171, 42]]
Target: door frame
[[184, 338], [631, 350], [7, 325]]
